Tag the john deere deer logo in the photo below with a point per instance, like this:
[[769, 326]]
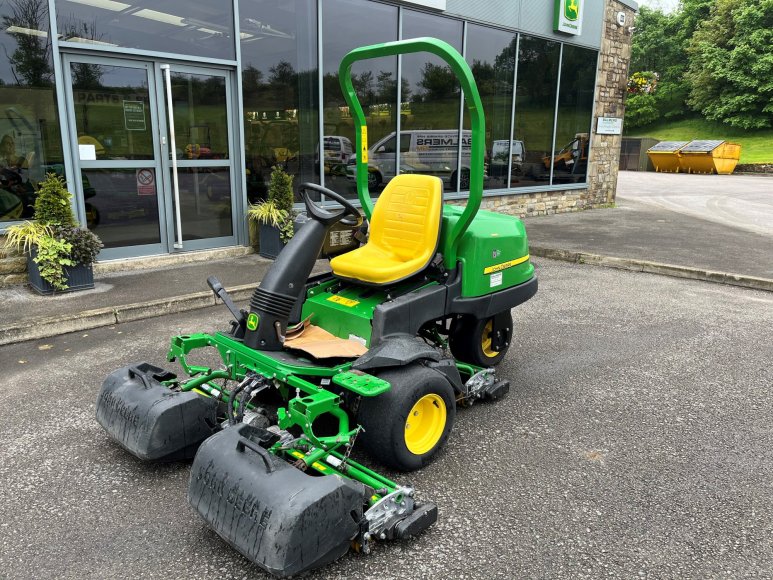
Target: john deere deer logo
[[571, 10]]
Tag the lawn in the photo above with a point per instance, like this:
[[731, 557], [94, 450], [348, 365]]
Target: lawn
[[756, 145]]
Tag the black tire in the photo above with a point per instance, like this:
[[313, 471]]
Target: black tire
[[470, 340], [385, 418], [374, 179]]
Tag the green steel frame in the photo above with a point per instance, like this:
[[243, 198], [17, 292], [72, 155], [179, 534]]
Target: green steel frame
[[477, 148]]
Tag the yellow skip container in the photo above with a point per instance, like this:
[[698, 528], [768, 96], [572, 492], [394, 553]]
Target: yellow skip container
[[705, 156], [665, 156]]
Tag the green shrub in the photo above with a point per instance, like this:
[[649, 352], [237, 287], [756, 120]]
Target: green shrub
[[52, 205], [53, 256], [85, 245], [277, 210]]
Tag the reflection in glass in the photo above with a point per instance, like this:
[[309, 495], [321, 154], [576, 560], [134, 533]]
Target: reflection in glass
[[280, 87], [575, 110], [119, 209], [200, 116], [430, 105], [112, 112], [347, 24], [205, 202], [192, 27], [30, 142], [491, 54], [534, 108]]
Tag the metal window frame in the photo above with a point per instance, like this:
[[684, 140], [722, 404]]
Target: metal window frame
[[512, 112], [555, 114], [460, 127]]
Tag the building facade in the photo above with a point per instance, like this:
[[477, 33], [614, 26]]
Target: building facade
[[166, 118]]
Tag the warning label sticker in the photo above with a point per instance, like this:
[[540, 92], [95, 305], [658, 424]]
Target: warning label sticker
[[344, 301], [496, 280], [146, 182]]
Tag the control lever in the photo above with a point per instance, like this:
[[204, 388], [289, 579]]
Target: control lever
[[221, 293]]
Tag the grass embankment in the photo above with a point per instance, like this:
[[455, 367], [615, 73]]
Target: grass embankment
[[756, 145]]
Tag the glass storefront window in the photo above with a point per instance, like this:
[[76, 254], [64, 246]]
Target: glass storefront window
[[348, 24], [30, 140], [535, 104], [101, 94], [280, 90], [116, 212], [205, 202], [200, 116], [430, 105], [491, 55], [575, 110], [181, 26]]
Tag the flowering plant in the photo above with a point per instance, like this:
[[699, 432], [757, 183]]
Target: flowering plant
[[644, 82]]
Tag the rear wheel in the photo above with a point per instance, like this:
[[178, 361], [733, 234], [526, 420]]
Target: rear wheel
[[464, 180], [374, 179], [406, 426], [472, 339]]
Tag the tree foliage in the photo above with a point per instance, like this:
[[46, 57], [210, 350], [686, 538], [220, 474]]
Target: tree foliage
[[731, 64], [713, 57]]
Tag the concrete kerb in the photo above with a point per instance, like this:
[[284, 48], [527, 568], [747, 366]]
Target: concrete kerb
[[649, 267], [40, 328]]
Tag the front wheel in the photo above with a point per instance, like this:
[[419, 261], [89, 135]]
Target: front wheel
[[405, 427], [475, 340]]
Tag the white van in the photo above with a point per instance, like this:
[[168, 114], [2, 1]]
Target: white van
[[499, 152], [337, 149], [429, 152]]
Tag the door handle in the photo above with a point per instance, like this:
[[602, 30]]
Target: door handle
[[173, 150]]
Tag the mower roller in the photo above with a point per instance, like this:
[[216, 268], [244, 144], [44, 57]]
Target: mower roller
[[271, 426]]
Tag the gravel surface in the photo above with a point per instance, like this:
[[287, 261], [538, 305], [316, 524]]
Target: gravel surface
[[636, 441]]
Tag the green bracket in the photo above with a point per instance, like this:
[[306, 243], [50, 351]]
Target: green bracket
[[361, 383]]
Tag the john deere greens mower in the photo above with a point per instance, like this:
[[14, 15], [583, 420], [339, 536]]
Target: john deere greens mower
[[272, 424]]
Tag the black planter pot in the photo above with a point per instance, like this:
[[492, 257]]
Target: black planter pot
[[270, 241], [79, 277]]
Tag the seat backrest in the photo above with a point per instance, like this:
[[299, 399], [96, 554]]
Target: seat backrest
[[406, 217]]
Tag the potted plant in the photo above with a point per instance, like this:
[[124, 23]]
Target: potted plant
[[275, 215], [59, 253]]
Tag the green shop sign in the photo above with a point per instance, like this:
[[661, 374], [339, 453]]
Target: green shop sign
[[567, 16]]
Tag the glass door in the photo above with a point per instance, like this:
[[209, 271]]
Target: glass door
[[153, 150], [195, 107], [113, 124]]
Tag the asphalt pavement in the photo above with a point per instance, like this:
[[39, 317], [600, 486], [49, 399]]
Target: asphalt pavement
[[717, 223], [636, 442]]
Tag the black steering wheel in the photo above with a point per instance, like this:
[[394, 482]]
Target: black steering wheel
[[325, 217]]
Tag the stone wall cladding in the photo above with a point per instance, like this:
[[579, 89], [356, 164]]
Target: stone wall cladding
[[609, 101]]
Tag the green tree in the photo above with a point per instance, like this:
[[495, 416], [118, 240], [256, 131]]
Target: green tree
[[659, 44], [731, 64], [30, 62]]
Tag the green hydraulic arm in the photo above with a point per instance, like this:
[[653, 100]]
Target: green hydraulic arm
[[477, 148]]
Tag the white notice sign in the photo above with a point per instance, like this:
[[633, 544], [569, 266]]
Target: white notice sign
[[609, 126], [87, 152]]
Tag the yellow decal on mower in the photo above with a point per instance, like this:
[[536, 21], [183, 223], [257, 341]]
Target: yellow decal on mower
[[343, 301], [505, 265], [364, 143]]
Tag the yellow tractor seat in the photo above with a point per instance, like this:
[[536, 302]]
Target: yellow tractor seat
[[404, 231]]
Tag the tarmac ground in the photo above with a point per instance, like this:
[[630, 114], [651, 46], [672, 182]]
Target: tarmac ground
[[636, 442]]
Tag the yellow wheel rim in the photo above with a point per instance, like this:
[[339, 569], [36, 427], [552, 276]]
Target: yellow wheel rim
[[425, 424], [485, 341]]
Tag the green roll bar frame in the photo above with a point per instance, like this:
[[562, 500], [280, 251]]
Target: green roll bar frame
[[472, 97]]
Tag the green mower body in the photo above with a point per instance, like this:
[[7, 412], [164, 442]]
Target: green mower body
[[271, 429]]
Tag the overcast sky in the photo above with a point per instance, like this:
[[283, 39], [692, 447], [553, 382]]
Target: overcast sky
[[665, 5]]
